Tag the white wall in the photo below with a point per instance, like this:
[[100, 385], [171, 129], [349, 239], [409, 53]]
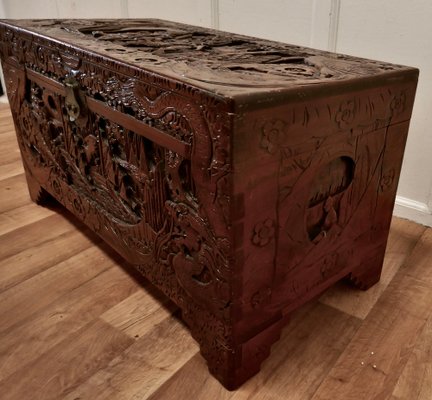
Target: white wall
[[400, 32], [389, 30], [277, 20], [2, 11]]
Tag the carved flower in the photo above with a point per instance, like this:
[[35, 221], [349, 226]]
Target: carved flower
[[78, 205], [273, 135], [387, 180], [264, 232], [260, 297], [55, 184], [397, 105], [329, 265], [346, 114]]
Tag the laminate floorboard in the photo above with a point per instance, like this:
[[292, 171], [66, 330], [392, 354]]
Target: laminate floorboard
[[78, 323]]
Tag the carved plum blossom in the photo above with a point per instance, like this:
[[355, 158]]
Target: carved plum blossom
[[78, 205], [264, 232], [397, 105], [346, 114], [56, 186], [273, 135], [261, 296], [387, 180], [329, 265]]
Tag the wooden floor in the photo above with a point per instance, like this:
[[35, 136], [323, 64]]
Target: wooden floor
[[77, 323]]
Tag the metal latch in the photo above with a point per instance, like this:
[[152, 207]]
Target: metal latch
[[74, 100]]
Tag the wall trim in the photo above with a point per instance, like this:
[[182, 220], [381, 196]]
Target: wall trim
[[333, 25], [313, 23], [413, 210], [2, 10], [214, 12], [124, 8], [430, 200], [57, 9]]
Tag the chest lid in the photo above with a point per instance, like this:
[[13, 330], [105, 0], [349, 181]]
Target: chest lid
[[223, 63]]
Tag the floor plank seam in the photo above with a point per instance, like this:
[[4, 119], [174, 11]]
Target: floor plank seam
[[48, 305], [45, 269]]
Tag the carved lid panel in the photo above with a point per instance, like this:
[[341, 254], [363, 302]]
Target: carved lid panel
[[222, 62]]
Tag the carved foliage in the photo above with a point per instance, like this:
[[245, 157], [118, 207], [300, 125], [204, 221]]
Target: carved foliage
[[134, 181], [134, 98]]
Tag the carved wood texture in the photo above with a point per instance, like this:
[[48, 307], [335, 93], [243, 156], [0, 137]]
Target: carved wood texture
[[151, 133]]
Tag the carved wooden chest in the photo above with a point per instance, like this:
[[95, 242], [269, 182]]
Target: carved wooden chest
[[241, 176]]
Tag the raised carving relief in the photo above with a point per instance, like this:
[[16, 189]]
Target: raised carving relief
[[198, 55], [346, 114], [263, 233], [273, 135], [134, 183], [398, 104], [387, 179]]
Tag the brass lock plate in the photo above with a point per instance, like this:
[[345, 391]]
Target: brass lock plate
[[74, 100]]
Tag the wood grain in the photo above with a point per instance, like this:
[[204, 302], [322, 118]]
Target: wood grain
[[146, 365], [415, 382], [402, 239], [137, 314], [375, 358], [35, 259], [11, 169], [22, 216], [46, 287], [47, 327], [420, 263], [34, 234], [13, 193], [9, 153], [77, 356], [298, 363]]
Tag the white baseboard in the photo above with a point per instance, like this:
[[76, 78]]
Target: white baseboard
[[413, 210], [3, 99]]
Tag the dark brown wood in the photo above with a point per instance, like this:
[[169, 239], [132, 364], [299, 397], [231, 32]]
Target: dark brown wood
[[242, 177]]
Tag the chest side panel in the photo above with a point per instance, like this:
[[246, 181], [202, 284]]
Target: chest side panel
[[314, 187]]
